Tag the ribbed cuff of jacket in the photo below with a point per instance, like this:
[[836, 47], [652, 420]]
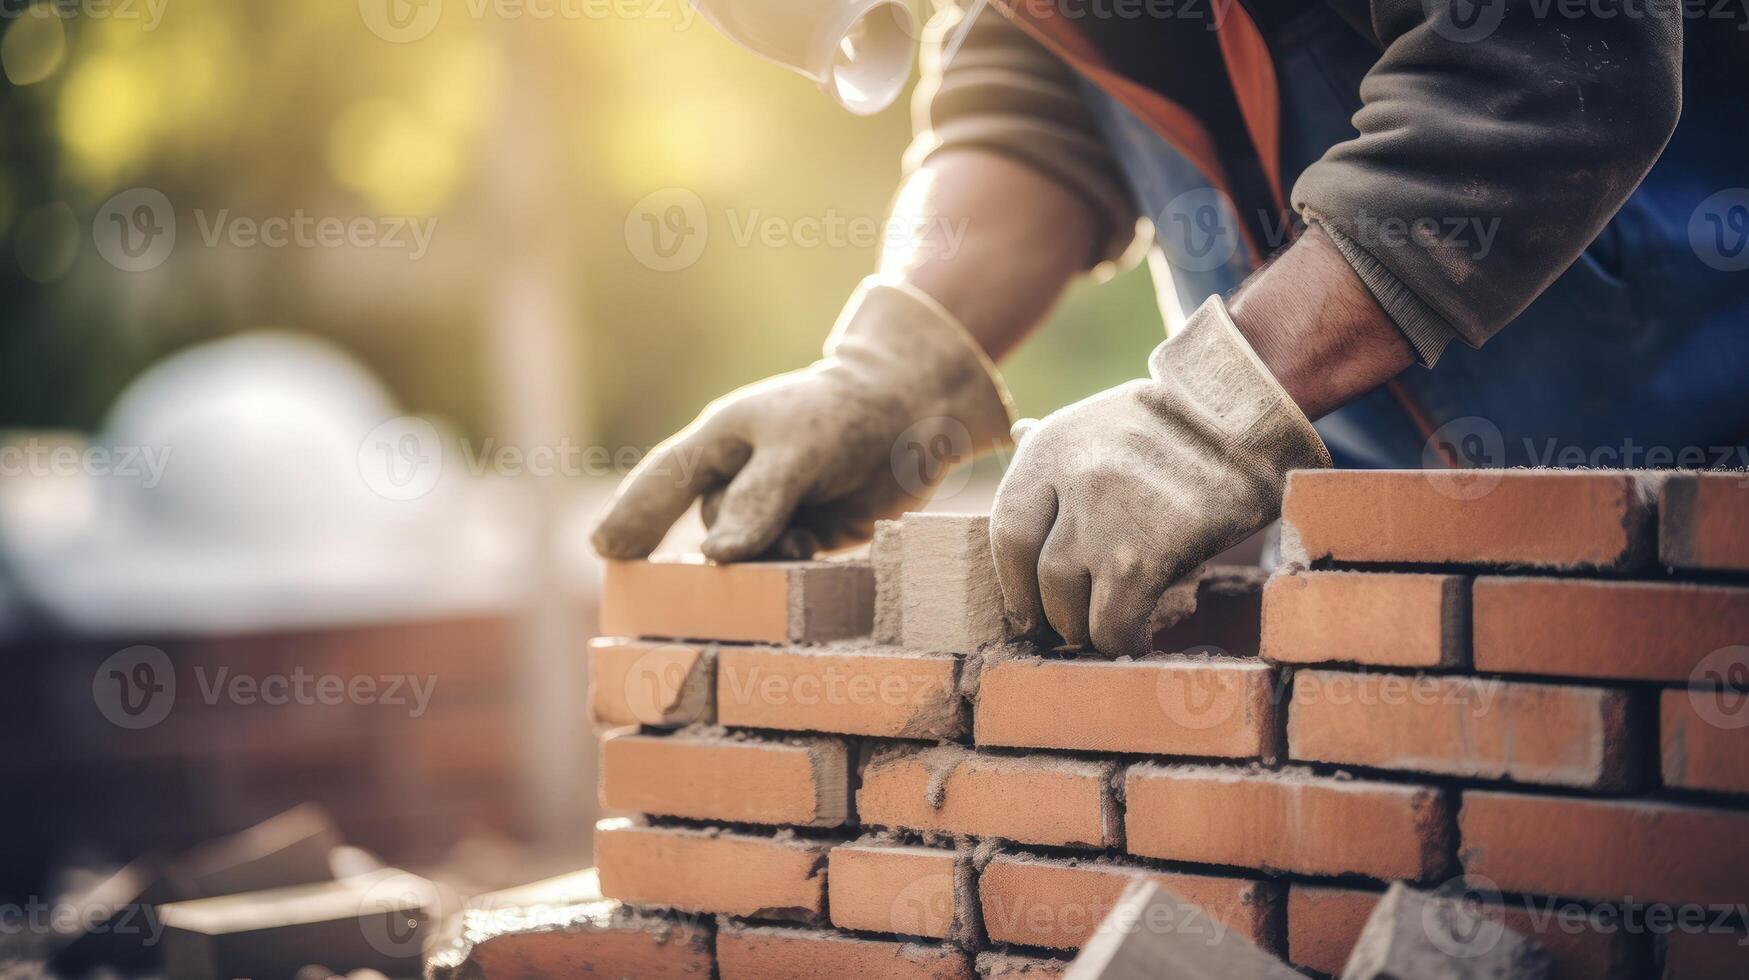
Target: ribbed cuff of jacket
[[1426, 331]]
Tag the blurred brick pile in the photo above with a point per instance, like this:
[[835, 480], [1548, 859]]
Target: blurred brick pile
[[1522, 677], [404, 733]]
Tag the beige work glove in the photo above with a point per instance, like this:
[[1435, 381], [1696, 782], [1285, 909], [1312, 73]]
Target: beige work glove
[[809, 460], [1113, 499]]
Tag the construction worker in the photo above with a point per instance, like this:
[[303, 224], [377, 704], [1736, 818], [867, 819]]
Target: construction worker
[[1561, 187]]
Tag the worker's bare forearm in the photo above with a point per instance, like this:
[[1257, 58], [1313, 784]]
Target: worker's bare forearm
[[1316, 328], [998, 242]]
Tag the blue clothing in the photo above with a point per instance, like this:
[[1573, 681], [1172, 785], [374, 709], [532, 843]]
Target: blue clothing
[[1636, 356]]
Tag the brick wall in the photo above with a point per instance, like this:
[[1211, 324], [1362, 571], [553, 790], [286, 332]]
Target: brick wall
[[1499, 675]]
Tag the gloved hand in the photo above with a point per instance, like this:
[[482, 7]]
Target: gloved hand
[[810, 460], [1113, 499]]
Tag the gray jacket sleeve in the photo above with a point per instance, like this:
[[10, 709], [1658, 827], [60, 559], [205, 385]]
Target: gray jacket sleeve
[[1494, 146], [1001, 91]]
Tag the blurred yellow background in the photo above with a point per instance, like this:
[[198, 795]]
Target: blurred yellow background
[[530, 130]]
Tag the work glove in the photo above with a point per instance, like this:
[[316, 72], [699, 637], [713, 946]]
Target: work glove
[[1113, 499], [808, 461]]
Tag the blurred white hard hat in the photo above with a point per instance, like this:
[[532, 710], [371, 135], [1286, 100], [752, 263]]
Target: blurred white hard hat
[[258, 482]]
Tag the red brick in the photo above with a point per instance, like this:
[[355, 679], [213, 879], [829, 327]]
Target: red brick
[[711, 776], [633, 682], [854, 690], [1606, 850], [1323, 924], [1653, 631], [1478, 727], [772, 953], [756, 602], [1057, 904], [1286, 821], [1011, 966], [1033, 800], [1391, 619], [1705, 739], [1160, 705], [596, 940], [1556, 519], [909, 891], [712, 871], [1706, 956], [1703, 521]]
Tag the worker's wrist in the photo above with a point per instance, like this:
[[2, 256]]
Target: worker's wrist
[[1316, 327]]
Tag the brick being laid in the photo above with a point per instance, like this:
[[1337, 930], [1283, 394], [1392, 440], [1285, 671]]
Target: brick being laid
[[1704, 739], [1475, 727], [886, 556], [1645, 631], [758, 952], [655, 683], [948, 789], [850, 689], [754, 602], [1703, 521], [875, 886], [1165, 704], [951, 600], [1287, 821], [1387, 619], [712, 871], [1606, 850], [1057, 903], [1567, 520], [709, 774]]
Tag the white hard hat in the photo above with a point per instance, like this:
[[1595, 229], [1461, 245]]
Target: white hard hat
[[242, 489]]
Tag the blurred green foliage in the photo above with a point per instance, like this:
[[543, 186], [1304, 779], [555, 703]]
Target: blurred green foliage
[[523, 135]]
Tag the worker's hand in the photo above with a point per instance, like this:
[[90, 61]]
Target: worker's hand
[[805, 461], [1113, 499]]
